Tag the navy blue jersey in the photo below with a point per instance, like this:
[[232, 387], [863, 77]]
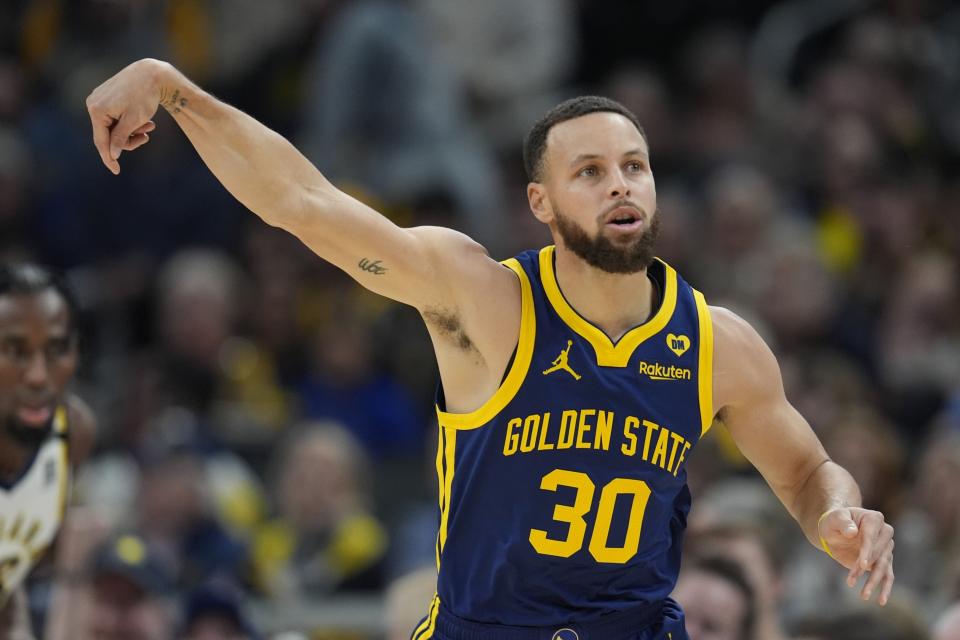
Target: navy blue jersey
[[564, 496]]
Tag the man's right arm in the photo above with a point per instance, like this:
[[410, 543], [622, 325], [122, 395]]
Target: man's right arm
[[424, 267]]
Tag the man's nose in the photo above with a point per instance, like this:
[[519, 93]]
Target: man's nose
[[37, 370], [619, 186]]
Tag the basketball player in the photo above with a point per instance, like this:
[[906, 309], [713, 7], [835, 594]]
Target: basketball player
[[575, 380], [44, 430]]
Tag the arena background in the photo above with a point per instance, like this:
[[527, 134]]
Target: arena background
[[266, 424]]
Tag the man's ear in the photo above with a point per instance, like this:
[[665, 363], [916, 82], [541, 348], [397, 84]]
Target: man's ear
[[539, 202]]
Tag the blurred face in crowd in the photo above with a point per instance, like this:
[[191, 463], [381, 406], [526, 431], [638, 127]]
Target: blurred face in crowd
[[715, 609], [597, 192], [214, 627], [123, 611], [316, 485], [38, 356]]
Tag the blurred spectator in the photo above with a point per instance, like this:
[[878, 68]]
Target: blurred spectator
[[407, 599], [346, 384], [865, 444], [132, 586], [176, 514], [510, 69], [947, 626], [215, 612], [863, 623], [383, 113], [325, 539], [717, 599], [742, 522], [928, 534]]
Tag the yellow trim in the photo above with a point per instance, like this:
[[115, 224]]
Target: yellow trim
[[60, 426], [60, 419], [428, 625], [823, 542], [608, 353], [518, 370], [440, 484], [705, 359], [449, 454], [64, 478]]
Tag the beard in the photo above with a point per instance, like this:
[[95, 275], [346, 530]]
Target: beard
[[600, 252], [28, 437]]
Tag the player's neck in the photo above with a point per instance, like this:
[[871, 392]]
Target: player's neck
[[614, 302]]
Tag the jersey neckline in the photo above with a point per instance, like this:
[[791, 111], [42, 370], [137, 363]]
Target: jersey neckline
[[608, 352]]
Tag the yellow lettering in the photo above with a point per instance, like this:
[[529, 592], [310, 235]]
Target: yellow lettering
[[683, 453], [629, 448], [601, 437], [584, 427], [544, 445], [529, 438], [15, 529], [660, 450], [651, 427], [568, 428], [677, 439], [31, 533], [512, 439]]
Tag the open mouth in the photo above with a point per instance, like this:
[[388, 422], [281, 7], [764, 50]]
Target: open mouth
[[34, 416], [625, 218]]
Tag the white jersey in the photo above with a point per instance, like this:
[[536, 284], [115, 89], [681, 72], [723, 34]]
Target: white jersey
[[32, 508]]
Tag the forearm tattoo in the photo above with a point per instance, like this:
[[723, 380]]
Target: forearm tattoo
[[373, 267], [173, 103]]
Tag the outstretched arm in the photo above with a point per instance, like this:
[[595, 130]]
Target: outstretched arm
[[822, 497], [15, 617], [274, 180]]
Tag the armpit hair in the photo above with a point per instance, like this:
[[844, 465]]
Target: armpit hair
[[449, 326]]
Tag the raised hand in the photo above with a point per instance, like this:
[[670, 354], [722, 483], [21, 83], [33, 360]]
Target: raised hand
[[861, 541], [121, 110]]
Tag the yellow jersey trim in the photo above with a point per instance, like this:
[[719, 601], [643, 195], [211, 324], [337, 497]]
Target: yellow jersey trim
[[608, 353], [518, 370], [60, 419], [449, 456], [60, 426], [425, 630], [705, 363]]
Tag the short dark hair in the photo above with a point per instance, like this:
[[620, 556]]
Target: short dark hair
[[536, 141], [734, 574], [25, 278]]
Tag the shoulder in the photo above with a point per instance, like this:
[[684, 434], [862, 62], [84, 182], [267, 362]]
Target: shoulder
[[744, 366], [83, 428]]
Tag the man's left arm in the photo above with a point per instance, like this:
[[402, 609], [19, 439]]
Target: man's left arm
[[820, 494]]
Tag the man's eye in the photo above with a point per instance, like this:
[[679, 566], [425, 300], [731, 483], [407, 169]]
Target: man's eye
[[635, 166], [588, 172], [13, 350], [57, 348]]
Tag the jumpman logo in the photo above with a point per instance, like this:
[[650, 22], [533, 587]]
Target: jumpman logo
[[561, 363]]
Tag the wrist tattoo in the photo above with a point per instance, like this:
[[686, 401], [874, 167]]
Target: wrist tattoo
[[373, 267], [174, 103]]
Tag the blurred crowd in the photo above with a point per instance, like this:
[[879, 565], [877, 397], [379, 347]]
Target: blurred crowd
[[266, 436]]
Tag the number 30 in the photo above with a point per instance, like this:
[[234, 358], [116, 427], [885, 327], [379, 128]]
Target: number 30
[[573, 516]]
